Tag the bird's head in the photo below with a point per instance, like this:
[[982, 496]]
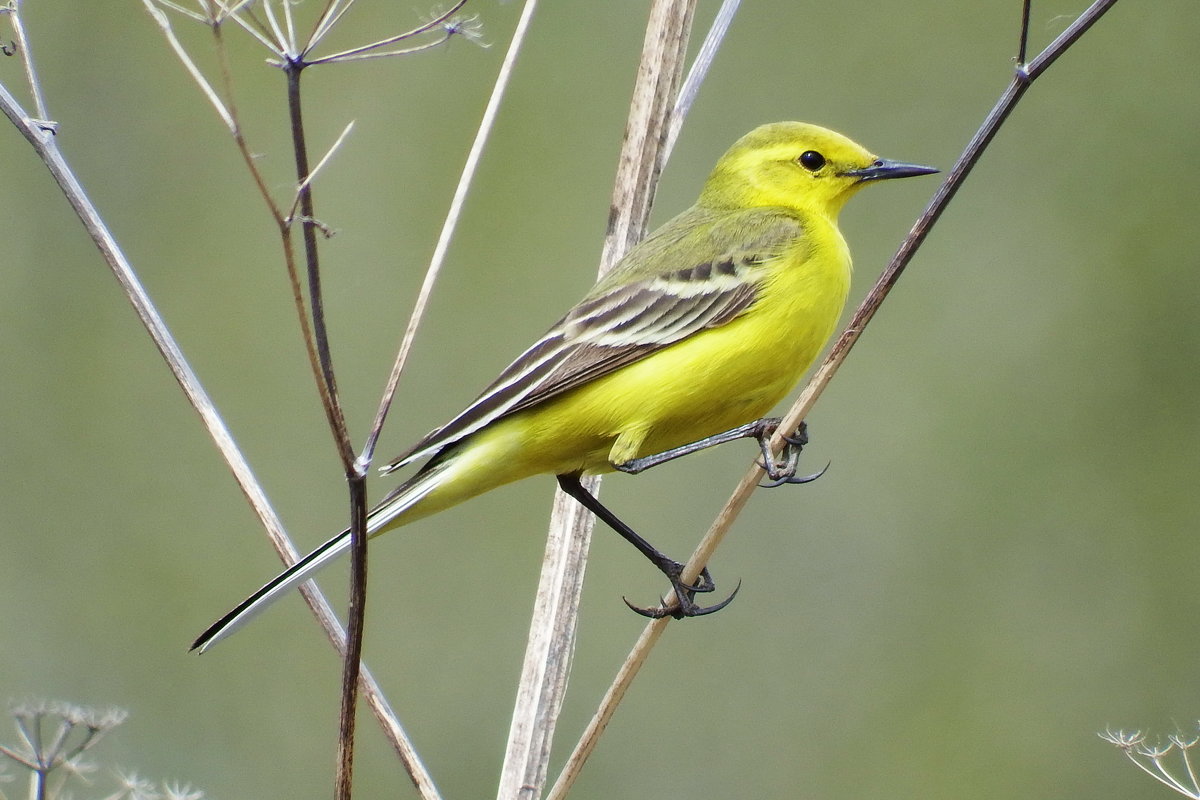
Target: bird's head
[[795, 165]]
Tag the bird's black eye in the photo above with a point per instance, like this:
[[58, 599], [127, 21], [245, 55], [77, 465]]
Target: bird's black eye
[[811, 160]]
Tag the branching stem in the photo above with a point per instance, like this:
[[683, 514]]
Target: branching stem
[[328, 382], [355, 471]]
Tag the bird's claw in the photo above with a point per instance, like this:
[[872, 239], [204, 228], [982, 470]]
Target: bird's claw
[[799, 438], [785, 477], [686, 606], [780, 472]]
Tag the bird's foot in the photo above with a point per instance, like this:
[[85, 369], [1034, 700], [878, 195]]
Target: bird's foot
[[782, 470], [684, 594]]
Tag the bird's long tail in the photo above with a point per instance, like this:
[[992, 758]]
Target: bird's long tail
[[382, 516]]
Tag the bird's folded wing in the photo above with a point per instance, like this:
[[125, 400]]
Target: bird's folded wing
[[616, 326]]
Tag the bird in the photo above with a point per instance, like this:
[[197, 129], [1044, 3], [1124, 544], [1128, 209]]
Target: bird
[[696, 333]]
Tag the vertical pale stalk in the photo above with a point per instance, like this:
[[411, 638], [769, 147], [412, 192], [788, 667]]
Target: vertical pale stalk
[[550, 648], [551, 643]]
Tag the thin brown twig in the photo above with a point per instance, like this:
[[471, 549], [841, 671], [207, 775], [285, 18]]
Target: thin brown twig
[[348, 641], [328, 383], [1023, 46], [355, 473], [1022, 78], [352, 657], [227, 109]]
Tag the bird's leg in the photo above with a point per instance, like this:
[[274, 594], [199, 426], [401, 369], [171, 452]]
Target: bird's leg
[[779, 471], [670, 568], [758, 429]]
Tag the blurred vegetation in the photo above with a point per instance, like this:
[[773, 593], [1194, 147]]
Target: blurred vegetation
[[52, 756], [999, 563]]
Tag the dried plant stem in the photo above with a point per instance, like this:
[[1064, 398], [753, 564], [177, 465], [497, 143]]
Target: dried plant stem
[[164, 23], [26, 53], [699, 71], [281, 542], [1023, 77], [313, 331], [356, 468], [327, 381], [355, 473], [227, 110], [608, 704], [352, 657], [642, 156], [550, 646], [548, 652]]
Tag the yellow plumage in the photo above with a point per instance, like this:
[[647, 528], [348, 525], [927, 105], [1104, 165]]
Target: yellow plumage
[[702, 327], [712, 381]]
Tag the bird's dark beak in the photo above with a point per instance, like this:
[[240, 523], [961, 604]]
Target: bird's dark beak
[[883, 170]]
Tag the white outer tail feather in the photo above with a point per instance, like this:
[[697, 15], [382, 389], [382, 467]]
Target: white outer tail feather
[[403, 499], [257, 603]]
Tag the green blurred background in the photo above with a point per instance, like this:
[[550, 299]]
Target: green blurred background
[[1000, 562]]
